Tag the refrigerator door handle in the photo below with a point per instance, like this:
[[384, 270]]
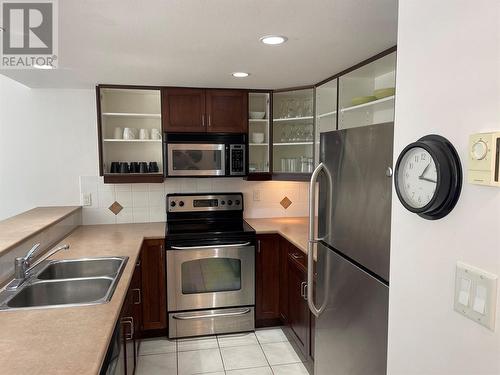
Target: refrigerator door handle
[[310, 244]]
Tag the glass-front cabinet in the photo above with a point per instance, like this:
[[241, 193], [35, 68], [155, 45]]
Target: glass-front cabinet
[[258, 132], [367, 94], [326, 112], [293, 131], [131, 137]]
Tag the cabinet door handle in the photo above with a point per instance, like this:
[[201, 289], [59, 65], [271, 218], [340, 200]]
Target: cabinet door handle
[[139, 298], [209, 120], [130, 321], [302, 289], [305, 291], [258, 246], [202, 120], [297, 256]]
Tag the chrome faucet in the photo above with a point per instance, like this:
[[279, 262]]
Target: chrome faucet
[[23, 266]]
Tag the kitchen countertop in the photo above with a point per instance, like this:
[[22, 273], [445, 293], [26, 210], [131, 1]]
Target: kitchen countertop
[[16, 229], [73, 340], [294, 229]]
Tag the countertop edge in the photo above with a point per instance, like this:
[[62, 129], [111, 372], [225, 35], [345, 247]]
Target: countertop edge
[[17, 242]]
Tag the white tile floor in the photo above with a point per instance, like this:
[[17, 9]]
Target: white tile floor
[[265, 352]]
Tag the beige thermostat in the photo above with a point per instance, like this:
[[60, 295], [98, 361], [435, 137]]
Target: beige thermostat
[[484, 155]]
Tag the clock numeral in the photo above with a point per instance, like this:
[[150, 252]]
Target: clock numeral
[[423, 156], [416, 158], [411, 165]]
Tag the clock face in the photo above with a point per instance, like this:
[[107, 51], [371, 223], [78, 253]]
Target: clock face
[[417, 177]]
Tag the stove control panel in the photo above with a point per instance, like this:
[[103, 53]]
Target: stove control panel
[[212, 202]]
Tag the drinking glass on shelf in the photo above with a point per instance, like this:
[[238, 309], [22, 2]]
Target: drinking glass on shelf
[[283, 109], [300, 133], [283, 134], [307, 105]]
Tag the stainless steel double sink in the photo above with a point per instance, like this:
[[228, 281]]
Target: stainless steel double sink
[[63, 283]]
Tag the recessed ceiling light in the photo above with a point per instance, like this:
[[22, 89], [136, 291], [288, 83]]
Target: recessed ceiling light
[[240, 74], [273, 39]]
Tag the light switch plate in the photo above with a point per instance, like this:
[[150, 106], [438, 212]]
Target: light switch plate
[[476, 294], [256, 195]]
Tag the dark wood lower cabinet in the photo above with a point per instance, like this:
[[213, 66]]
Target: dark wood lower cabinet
[[154, 288], [267, 281], [128, 345], [281, 279], [298, 314]]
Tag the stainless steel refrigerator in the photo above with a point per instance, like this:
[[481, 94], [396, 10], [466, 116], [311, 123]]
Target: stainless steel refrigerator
[[353, 250]]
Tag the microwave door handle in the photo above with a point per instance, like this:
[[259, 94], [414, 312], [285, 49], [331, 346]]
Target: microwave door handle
[[210, 246]]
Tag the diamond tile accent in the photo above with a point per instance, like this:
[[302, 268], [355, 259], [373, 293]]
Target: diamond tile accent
[[115, 208], [285, 202]]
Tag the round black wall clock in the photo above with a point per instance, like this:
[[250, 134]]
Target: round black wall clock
[[428, 177]]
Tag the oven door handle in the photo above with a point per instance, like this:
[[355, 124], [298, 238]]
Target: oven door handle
[[210, 246], [207, 316]]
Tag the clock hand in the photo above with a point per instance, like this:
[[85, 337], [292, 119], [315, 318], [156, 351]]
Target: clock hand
[[427, 179], [425, 170]]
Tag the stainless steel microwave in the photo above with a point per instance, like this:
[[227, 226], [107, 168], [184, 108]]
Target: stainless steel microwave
[[205, 155]]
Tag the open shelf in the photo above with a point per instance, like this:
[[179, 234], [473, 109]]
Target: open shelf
[[127, 114], [127, 178], [288, 119], [292, 143], [132, 140], [369, 104], [327, 114]]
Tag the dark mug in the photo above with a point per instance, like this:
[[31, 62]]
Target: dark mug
[[153, 167], [115, 167], [134, 167], [124, 168], [143, 167]]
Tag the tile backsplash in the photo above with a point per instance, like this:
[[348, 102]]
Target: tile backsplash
[[146, 202]]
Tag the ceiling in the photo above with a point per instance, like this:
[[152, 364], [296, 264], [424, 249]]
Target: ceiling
[[201, 42]]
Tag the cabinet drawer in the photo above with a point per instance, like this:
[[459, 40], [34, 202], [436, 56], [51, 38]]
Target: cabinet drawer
[[298, 256]]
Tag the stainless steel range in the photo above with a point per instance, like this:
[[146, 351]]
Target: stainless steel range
[[210, 265]]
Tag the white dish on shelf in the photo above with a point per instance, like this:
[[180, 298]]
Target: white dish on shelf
[[257, 115], [257, 137]]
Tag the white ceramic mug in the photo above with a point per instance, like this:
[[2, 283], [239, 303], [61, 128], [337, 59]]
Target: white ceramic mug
[[143, 134], [118, 134], [128, 133], [155, 134]]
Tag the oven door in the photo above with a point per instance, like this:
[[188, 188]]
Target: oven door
[[192, 159], [209, 277]]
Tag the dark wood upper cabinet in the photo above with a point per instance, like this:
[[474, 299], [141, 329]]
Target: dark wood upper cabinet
[[227, 111], [202, 110], [267, 281], [154, 293], [183, 110]]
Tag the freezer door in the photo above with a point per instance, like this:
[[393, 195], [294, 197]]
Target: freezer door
[[357, 160], [351, 333]]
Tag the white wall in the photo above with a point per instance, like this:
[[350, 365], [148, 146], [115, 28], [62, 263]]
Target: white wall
[[448, 82], [146, 202], [48, 138]]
